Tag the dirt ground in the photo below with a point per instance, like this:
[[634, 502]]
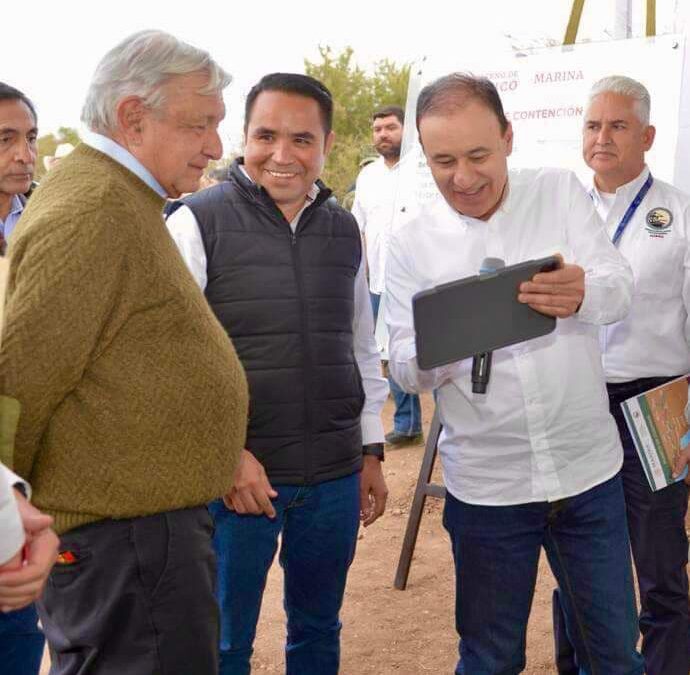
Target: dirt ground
[[391, 632]]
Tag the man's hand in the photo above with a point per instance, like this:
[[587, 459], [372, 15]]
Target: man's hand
[[559, 293], [372, 491], [251, 492], [22, 583]]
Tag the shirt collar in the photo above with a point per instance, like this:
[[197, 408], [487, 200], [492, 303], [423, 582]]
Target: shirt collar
[[386, 167], [311, 195], [16, 207], [122, 156], [628, 190], [503, 207]]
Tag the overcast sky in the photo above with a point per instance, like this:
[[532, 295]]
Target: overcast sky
[[51, 49]]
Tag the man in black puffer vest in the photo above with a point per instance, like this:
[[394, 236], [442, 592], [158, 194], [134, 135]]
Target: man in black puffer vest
[[282, 268]]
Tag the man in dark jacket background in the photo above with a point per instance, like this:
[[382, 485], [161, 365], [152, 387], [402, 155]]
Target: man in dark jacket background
[[282, 269]]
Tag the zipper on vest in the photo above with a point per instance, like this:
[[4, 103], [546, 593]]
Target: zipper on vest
[[307, 357]]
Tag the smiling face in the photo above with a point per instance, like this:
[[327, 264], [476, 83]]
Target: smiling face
[[614, 140], [285, 147], [176, 143], [467, 153], [18, 135]]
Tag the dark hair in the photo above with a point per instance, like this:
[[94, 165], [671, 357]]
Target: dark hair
[[293, 83], [8, 93], [389, 110], [456, 90]]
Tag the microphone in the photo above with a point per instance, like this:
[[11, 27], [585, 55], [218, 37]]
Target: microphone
[[481, 363]]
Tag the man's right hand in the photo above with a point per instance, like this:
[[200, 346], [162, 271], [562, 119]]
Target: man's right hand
[[251, 492]]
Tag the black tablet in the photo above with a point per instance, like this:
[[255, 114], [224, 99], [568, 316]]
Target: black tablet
[[477, 314]]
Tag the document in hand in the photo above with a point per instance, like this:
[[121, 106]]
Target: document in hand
[[659, 422]]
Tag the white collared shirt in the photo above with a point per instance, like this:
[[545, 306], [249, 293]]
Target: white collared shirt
[[11, 528], [543, 430], [373, 208], [184, 229], [654, 339], [124, 157]]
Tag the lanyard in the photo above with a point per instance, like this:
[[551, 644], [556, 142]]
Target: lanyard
[[627, 217]]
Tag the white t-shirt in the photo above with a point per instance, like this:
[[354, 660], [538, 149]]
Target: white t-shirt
[[543, 431]]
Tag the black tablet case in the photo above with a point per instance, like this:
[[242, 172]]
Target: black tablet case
[[477, 314]]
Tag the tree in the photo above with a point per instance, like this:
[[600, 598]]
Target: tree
[[356, 94]]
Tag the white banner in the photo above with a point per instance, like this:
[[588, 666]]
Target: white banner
[[544, 95]]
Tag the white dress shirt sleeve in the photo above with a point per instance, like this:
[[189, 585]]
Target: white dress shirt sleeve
[[11, 528], [368, 361], [608, 277], [184, 229], [401, 285]]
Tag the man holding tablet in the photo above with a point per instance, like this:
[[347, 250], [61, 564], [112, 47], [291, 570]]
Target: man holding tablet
[[534, 461]]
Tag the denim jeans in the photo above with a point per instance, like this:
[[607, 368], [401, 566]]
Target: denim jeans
[[656, 525], [496, 551], [21, 642], [407, 419], [319, 525]]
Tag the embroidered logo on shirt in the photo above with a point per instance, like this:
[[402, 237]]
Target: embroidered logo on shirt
[[659, 221]]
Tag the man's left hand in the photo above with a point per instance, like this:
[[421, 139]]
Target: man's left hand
[[372, 491], [559, 293]]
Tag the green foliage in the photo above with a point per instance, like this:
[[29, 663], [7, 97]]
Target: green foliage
[[356, 95], [48, 143]]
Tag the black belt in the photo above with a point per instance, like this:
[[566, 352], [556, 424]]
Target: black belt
[[625, 390]]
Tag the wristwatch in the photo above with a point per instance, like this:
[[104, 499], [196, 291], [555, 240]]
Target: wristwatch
[[373, 449]]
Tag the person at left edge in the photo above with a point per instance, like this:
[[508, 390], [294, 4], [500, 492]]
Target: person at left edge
[[21, 640], [133, 400], [282, 268]]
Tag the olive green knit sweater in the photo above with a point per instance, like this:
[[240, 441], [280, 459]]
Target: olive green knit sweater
[[133, 399]]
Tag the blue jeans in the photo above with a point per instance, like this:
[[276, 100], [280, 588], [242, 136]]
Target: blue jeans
[[407, 419], [496, 551], [319, 525], [21, 642]]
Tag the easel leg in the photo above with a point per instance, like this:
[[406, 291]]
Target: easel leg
[[424, 488]]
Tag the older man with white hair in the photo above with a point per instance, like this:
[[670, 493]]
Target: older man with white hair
[[648, 220], [134, 403]]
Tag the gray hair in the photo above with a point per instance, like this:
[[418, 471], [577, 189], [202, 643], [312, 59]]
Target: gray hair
[[624, 86], [139, 66]]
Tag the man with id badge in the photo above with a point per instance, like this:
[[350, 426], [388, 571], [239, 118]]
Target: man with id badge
[[647, 220]]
